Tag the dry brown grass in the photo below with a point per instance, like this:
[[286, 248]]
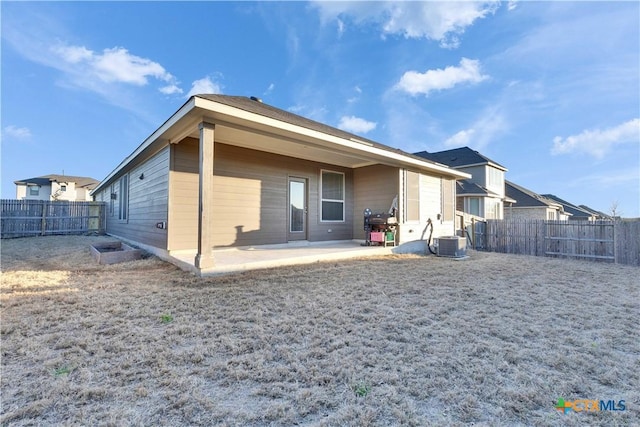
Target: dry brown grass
[[402, 340]]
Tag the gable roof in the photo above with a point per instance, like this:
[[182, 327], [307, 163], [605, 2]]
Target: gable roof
[[80, 181], [460, 157], [277, 131], [574, 210], [527, 198], [598, 214]]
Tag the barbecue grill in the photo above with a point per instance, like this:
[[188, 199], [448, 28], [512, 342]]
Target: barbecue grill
[[380, 228]]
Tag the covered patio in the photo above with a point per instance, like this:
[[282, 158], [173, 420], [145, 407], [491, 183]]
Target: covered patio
[[238, 259]]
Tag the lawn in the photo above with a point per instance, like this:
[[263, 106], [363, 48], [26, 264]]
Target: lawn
[[397, 340]]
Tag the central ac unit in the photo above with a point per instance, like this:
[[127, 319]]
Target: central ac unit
[[452, 246]]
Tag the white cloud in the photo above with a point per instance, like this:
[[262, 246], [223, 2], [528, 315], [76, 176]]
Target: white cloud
[[415, 83], [204, 85], [270, 89], [355, 98], [170, 90], [482, 132], [15, 132], [73, 54], [356, 124], [460, 139], [598, 142], [440, 21], [114, 65]]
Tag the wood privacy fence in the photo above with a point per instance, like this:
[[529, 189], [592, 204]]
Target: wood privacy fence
[[605, 241], [21, 218]]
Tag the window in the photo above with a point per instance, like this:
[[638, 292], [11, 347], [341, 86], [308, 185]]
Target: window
[[448, 199], [474, 206], [332, 196], [112, 200], [495, 180], [34, 190], [123, 199], [492, 209], [63, 187], [412, 199]]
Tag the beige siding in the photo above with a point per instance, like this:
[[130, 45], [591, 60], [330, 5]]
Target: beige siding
[[183, 196], [250, 197], [430, 208], [147, 203], [375, 188]]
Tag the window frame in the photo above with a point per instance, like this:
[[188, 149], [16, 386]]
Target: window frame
[[322, 199], [123, 198], [36, 188]]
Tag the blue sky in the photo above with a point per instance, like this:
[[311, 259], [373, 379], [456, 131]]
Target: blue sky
[[551, 90]]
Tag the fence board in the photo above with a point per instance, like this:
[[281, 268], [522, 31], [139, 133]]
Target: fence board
[[604, 241], [21, 218]]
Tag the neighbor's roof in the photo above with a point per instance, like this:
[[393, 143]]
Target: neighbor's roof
[[460, 157], [468, 188], [527, 198], [602, 215], [80, 181], [576, 211]]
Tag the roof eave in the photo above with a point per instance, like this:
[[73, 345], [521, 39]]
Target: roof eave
[[352, 143]]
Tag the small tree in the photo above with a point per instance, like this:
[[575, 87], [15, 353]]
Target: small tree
[[614, 209]]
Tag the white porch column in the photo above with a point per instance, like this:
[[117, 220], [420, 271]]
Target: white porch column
[[204, 258]]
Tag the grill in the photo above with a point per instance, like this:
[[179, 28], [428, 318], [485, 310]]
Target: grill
[[380, 228]]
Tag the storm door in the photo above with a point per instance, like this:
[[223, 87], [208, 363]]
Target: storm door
[[297, 229]]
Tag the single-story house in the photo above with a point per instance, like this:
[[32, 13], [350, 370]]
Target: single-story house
[[597, 214], [56, 187], [230, 171], [530, 205], [577, 213]]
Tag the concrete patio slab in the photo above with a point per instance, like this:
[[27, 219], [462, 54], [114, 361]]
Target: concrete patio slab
[[232, 260]]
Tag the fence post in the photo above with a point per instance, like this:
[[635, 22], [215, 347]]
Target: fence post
[[43, 222], [615, 241], [473, 233]]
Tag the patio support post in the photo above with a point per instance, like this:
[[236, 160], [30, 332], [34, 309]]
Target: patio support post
[[204, 258]]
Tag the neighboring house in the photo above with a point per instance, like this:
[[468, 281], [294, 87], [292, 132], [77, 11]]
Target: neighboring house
[[56, 187], [530, 205], [483, 195], [232, 171], [577, 213], [597, 214]]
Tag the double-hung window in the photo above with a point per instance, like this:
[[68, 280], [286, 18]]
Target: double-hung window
[[332, 196]]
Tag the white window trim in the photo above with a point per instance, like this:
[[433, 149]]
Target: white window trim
[[343, 201]]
